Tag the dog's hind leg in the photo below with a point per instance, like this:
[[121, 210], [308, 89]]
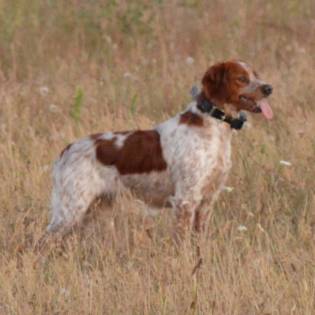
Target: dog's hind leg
[[77, 182], [68, 211], [71, 199]]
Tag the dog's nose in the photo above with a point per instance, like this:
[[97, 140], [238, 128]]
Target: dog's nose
[[266, 89]]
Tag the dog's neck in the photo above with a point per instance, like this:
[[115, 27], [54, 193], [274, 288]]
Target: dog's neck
[[215, 110]]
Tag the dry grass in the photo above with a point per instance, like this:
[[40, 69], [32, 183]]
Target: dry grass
[[70, 68]]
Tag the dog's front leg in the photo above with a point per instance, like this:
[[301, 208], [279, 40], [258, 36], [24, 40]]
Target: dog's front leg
[[185, 212], [201, 218]]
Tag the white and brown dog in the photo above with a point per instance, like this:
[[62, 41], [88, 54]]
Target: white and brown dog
[[182, 163]]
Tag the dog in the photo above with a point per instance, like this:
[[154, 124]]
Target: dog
[[182, 163]]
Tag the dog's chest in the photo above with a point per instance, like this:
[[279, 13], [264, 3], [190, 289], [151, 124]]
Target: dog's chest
[[199, 157], [217, 173]]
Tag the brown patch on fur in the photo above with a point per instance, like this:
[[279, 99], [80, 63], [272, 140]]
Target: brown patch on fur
[[106, 152], [213, 84], [141, 153], [191, 119], [65, 149], [95, 136], [222, 84]]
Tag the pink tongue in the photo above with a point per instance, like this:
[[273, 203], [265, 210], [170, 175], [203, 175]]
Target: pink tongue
[[266, 109]]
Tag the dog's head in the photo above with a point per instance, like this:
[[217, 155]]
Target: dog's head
[[235, 84]]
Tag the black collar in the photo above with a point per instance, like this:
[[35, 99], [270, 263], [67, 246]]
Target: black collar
[[209, 107]]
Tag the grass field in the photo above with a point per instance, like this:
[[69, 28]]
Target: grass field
[[69, 68]]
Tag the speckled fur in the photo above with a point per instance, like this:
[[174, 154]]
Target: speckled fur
[[198, 160]]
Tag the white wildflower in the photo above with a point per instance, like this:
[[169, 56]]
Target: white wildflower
[[43, 90], [285, 163], [65, 292], [127, 75], [228, 189], [130, 76], [53, 108], [190, 60], [242, 228]]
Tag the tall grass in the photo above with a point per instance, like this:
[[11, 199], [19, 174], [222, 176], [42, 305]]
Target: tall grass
[[71, 68]]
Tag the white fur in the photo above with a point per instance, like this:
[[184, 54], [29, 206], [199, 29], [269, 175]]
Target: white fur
[[198, 160]]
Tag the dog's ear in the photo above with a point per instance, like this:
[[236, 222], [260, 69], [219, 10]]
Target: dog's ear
[[213, 81]]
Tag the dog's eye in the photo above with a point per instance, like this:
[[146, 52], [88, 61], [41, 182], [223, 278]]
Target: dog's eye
[[243, 79]]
